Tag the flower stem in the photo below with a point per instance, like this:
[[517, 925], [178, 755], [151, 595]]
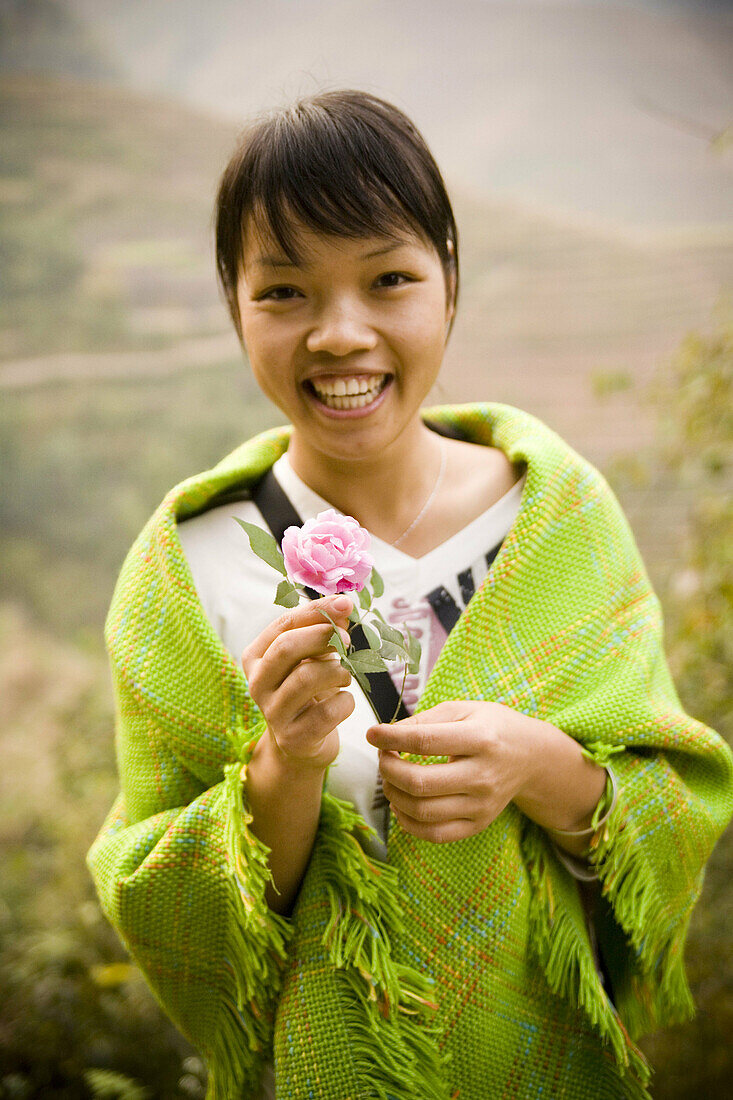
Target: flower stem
[[402, 692]]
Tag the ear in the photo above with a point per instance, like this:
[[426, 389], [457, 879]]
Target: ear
[[451, 285], [451, 302]]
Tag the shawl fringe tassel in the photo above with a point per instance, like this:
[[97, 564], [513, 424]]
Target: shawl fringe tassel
[[567, 961], [387, 1007], [258, 950], [663, 995]]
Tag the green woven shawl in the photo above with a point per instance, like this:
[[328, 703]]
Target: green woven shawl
[[457, 970]]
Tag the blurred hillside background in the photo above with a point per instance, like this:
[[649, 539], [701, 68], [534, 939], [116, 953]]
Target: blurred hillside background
[[589, 150]]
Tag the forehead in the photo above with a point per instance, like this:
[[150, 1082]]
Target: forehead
[[261, 248]]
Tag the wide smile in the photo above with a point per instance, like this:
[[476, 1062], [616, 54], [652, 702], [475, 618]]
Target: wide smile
[[348, 396]]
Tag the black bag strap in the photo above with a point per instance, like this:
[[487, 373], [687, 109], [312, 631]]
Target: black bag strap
[[279, 514]]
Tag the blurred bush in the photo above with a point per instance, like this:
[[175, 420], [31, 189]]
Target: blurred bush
[[71, 999], [693, 396]]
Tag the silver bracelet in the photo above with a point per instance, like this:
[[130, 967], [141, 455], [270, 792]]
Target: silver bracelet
[[593, 828], [576, 866]]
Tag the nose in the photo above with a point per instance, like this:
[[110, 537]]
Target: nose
[[340, 329]]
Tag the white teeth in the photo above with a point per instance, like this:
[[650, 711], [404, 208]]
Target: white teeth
[[349, 393], [352, 401], [340, 387]]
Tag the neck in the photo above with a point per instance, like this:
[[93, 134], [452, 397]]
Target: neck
[[385, 492]]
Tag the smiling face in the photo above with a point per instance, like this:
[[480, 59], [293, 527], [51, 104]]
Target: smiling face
[[348, 341]]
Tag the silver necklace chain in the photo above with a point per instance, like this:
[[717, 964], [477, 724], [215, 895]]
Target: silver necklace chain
[[430, 499]]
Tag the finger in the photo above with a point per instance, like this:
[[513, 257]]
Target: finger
[[307, 681], [285, 653], [430, 810], [318, 720], [425, 780], [451, 710], [426, 739], [442, 833], [338, 607]]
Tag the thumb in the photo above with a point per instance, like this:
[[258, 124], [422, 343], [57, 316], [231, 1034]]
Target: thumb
[[451, 710]]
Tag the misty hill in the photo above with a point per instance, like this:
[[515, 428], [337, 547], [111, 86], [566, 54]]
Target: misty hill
[[106, 202], [605, 107], [105, 205], [45, 36], [120, 373]]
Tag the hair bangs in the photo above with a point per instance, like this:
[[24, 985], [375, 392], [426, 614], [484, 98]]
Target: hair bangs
[[321, 186], [341, 164]]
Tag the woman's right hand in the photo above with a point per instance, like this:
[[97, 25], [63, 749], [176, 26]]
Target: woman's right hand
[[297, 681]]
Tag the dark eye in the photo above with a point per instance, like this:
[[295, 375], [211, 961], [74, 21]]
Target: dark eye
[[393, 278], [279, 294]]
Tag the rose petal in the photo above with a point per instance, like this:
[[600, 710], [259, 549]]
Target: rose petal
[[328, 553]]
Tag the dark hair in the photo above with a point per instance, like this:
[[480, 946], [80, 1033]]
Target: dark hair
[[341, 162]]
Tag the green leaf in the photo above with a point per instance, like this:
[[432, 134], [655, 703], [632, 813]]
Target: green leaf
[[354, 615], [377, 584], [365, 598], [338, 645], [372, 637], [365, 660], [263, 545], [389, 633], [335, 639], [414, 650], [392, 652], [287, 594]]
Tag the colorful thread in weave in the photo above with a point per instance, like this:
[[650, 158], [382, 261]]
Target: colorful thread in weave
[[457, 970]]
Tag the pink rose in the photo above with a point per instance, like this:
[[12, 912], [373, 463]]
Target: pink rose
[[328, 553]]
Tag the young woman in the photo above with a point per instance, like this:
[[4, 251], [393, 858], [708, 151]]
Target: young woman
[[490, 896]]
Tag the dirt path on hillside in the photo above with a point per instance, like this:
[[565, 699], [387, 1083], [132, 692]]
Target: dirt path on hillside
[[201, 352]]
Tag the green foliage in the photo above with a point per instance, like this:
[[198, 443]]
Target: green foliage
[[71, 999], [605, 383], [107, 1085], [391, 652], [286, 595], [376, 583], [389, 633], [365, 598], [693, 398], [264, 545], [366, 660]]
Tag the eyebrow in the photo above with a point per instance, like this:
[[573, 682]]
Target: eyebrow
[[281, 261]]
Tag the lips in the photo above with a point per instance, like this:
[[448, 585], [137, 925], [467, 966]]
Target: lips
[[348, 392]]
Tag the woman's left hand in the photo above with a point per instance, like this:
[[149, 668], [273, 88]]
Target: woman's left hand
[[489, 746]]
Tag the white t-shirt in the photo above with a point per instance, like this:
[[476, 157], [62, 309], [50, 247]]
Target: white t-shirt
[[236, 590]]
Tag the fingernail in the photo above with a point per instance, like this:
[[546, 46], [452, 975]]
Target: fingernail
[[342, 603]]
